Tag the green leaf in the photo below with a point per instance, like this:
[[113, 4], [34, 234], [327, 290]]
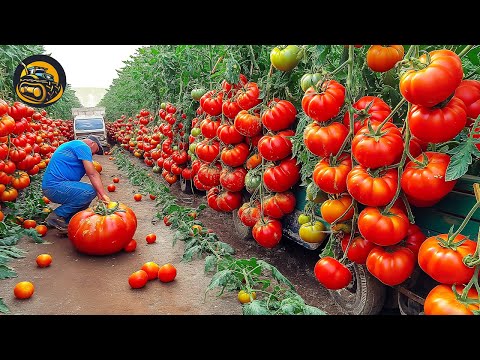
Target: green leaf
[[210, 263], [220, 279], [3, 308], [190, 253], [461, 159], [277, 275], [256, 307], [225, 247], [9, 240], [7, 272], [312, 310]]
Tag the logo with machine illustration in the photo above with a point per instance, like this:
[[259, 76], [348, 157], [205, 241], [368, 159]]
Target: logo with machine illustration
[[39, 80]]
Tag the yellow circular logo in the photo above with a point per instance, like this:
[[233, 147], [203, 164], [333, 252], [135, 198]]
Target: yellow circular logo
[[39, 80]]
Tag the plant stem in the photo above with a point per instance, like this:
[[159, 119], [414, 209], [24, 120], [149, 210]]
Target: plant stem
[[465, 50], [465, 221], [399, 105]]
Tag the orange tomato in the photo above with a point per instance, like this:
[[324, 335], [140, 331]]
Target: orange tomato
[[1, 216], [23, 290], [332, 209], [29, 224], [41, 229], [44, 260], [138, 279], [137, 197], [167, 273], [46, 200], [151, 269], [97, 166]]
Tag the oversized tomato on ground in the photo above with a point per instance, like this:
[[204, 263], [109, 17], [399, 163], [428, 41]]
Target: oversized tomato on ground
[[102, 230], [167, 273]]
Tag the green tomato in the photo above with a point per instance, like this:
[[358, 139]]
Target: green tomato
[[252, 181], [308, 80], [195, 132], [163, 105], [303, 219], [198, 93], [319, 198], [285, 59], [175, 148], [312, 233], [192, 147]]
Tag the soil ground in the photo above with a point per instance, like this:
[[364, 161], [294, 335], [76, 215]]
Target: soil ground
[[80, 284]]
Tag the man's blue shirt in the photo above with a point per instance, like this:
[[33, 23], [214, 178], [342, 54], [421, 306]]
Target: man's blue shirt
[[66, 163]]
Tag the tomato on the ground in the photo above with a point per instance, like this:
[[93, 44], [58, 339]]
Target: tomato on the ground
[[44, 260], [151, 268], [167, 273], [151, 238], [23, 290], [131, 246], [138, 279], [137, 197]]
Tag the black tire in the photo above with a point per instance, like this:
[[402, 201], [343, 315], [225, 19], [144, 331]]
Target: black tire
[[186, 185], [243, 232], [365, 295]]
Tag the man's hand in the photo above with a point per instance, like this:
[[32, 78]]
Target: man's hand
[[104, 198]]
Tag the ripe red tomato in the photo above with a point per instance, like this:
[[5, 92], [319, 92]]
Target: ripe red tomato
[[378, 110], [229, 135], [331, 178], [324, 141], [151, 238], [415, 238], [332, 274], [279, 115], [376, 151], [358, 250], [235, 155], [276, 147], [228, 201], [372, 190], [281, 177], [383, 229], [137, 197], [233, 180], [111, 188], [279, 204], [116, 180], [29, 224], [248, 124], [438, 124], [166, 221], [441, 300], [138, 279], [247, 97], [325, 103], [96, 231], [435, 82], [427, 183], [249, 213], [445, 263], [131, 246], [469, 92], [392, 265], [267, 233], [383, 58], [167, 273], [152, 197]]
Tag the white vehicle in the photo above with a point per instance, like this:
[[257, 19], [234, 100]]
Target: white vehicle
[[89, 121]]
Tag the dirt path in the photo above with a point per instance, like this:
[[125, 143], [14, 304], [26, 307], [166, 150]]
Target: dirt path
[[80, 284]]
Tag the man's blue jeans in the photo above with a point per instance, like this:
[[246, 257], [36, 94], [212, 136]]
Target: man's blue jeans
[[74, 196]]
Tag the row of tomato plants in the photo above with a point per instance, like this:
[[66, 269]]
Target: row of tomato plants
[[28, 138], [367, 170], [260, 287]]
